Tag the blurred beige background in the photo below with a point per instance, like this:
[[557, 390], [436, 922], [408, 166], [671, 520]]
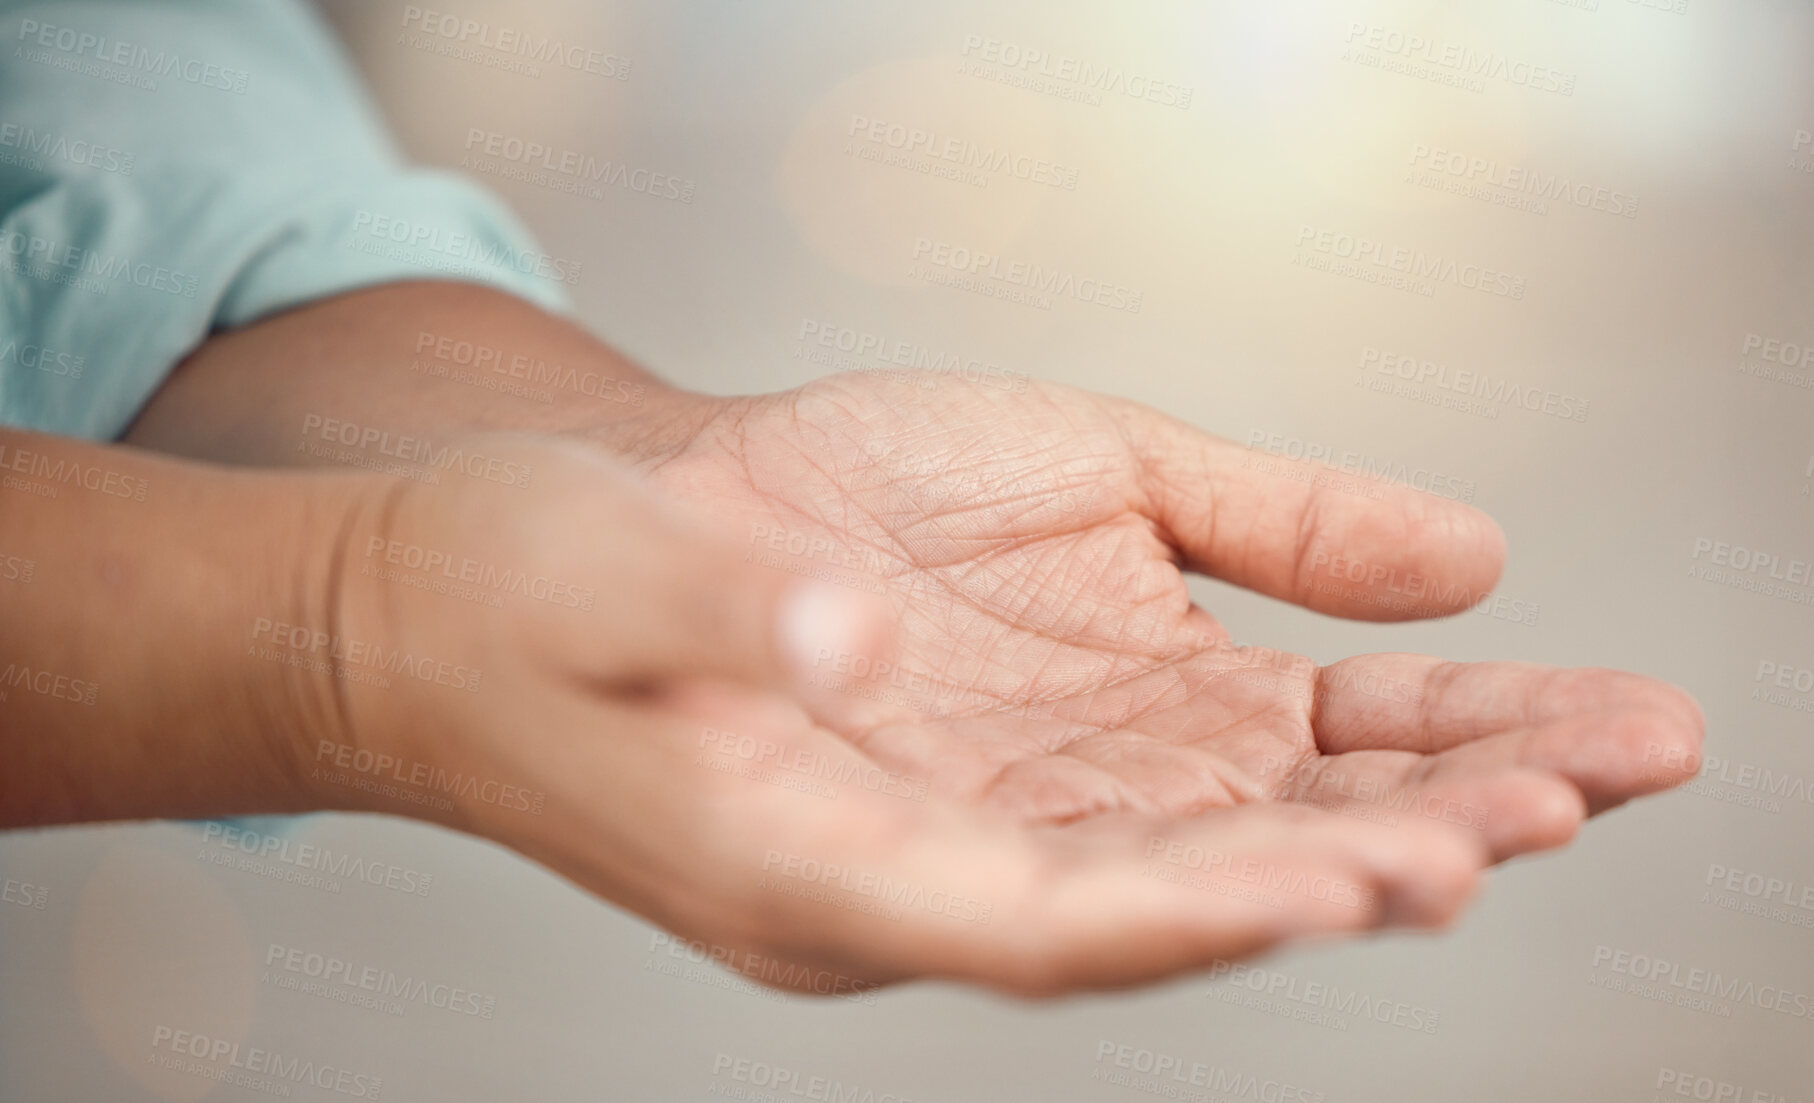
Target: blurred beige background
[[1632, 181]]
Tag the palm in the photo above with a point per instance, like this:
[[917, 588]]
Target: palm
[[1050, 661]]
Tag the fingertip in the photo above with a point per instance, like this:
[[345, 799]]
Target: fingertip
[[1618, 754], [1461, 549], [1493, 548], [1687, 708], [1444, 880], [1545, 814], [1410, 556], [823, 627]]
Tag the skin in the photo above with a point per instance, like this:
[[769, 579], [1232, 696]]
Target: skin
[[1091, 785]]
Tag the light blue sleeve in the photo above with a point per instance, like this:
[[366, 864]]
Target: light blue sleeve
[[170, 167]]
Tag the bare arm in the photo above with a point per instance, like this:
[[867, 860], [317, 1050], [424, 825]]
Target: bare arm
[[423, 358], [130, 590], [999, 522]]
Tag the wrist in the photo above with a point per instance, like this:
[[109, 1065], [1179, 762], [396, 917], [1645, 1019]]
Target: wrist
[[359, 726], [660, 425], [277, 629], [134, 688], [410, 636]]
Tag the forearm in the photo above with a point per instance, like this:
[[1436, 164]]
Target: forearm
[[131, 591], [408, 360]]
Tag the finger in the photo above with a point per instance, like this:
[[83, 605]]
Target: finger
[[1350, 544], [1610, 757], [1418, 703], [704, 610], [1515, 810], [1117, 901], [865, 885], [675, 598], [1234, 882]]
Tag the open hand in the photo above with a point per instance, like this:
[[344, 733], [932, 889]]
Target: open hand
[[1051, 663]]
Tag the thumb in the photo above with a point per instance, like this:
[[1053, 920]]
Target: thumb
[[689, 603], [666, 595], [1340, 540], [707, 611]]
